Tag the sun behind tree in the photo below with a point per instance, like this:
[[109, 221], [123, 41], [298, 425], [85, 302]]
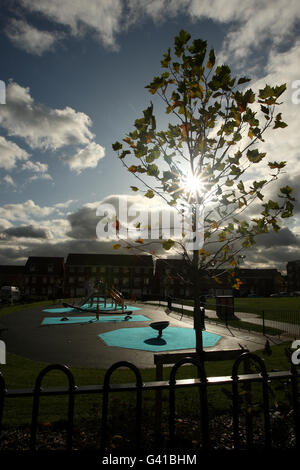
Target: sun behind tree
[[206, 158]]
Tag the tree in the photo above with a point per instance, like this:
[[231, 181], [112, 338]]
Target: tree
[[204, 160]]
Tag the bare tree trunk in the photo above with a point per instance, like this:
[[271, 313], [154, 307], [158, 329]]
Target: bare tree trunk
[[198, 313]]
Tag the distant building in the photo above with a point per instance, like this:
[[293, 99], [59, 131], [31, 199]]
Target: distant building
[[11, 275], [293, 275], [260, 282], [174, 278], [44, 277], [131, 274]]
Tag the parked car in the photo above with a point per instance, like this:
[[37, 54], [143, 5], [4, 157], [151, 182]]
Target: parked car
[[9, 294]]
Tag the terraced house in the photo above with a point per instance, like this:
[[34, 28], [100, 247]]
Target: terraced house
[[127, 273], [44, 277]]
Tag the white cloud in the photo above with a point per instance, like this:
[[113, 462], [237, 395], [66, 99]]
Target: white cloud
[[42, 127], [37, 167], [87, 157], [29, 38], [8, 180], [40, 170], [250, 23], [45, 128], [102, 17], [64, 205], [10, 153], [24, 211]]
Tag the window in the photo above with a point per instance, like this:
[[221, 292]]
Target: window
[[44, 280], [94, 269], [33, 280], [72, 269], [81, 269], [32, 268], [71, 280], [50, 268]]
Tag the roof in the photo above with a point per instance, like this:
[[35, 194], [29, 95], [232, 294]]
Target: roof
[[89, 259], [44, 259], [41, 264]]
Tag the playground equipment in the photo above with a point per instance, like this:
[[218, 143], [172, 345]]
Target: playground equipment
[[97, 301], [159, 326]]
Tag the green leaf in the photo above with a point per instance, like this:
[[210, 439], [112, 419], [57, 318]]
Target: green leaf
[[255, 156], [149, 194], [124, 153], [180, 41], [211, 59], [152, 170], [168, 244], [134, 188], [243, 80], [117, 146], [166, 60]]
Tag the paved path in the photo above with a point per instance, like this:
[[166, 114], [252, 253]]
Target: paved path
[[288, 328], [78, 345]]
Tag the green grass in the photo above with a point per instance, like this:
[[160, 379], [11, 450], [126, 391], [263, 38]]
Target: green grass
[[283, 309], [20, 372]]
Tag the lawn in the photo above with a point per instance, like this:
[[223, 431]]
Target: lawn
[[283, 309]]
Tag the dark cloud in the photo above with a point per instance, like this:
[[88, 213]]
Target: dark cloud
[[25, 231], [283, 237], [83, 224]]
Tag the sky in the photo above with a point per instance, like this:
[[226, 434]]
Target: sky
[[75, 76]]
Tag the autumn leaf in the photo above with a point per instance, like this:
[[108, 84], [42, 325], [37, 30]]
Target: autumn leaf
[[149, 194], [140, 240], [116, 246]]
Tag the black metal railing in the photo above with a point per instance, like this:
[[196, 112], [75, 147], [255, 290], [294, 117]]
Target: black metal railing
[[267, 321], [202, 383]]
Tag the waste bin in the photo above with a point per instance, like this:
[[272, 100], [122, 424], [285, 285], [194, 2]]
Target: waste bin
[[225, 307]]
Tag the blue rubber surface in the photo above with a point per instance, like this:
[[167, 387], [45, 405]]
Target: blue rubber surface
[[146, 339], [101, 307], [92, 319]]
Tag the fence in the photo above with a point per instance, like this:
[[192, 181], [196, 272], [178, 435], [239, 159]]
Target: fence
[[267, 322], [202, 383]]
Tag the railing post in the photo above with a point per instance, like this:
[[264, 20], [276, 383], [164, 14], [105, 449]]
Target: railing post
[[203, 398], [36, 401], [296, 411], [263, 323], [106, 389], [2, 396], [235, 398]]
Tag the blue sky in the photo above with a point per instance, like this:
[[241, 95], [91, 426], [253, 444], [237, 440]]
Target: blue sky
[[75, 75]]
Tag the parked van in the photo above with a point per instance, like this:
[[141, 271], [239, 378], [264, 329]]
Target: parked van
[[10, 294]]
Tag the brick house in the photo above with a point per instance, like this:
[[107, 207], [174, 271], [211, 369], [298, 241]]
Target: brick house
[[130, 274], [44, 277], [174, 278]]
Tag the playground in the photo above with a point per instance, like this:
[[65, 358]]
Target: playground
[[103, 329]]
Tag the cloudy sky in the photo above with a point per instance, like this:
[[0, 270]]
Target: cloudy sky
[[75, 78]]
